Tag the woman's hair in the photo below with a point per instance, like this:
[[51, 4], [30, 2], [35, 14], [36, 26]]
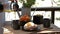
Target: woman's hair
[[16, 5], [1, 7]]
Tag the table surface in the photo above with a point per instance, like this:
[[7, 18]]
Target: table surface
[[10, 30]]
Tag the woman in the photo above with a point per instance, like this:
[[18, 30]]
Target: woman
[[2, 18], [2, 15]]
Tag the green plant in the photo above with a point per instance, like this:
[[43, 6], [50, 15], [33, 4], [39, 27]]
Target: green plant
[[28, 3], [58, 18], [58, 0]]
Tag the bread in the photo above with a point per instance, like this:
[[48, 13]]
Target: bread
[[29, 26]]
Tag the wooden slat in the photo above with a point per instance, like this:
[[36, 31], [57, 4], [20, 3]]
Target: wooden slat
[[45, 9]]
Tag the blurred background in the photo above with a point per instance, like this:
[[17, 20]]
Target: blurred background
[[9, 16]]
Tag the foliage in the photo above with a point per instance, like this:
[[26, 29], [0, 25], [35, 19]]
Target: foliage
[[28, 3], [58, 18]]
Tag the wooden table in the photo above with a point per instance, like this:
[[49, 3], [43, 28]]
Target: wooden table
[[53, 30], [49, 32]]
